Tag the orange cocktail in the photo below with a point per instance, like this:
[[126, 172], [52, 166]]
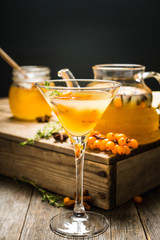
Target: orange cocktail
[[78, 111]]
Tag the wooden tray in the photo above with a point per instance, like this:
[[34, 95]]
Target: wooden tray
[[111, 180]]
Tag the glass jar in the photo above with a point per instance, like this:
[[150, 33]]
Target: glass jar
[[25, 100], [131, 111]]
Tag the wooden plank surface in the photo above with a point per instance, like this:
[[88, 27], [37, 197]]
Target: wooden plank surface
[[36, 226], [24, 217], [14, 204], [137, 175], [149, 213], [125, 223]]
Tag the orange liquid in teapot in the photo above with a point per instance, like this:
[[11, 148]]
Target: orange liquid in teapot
[[27, 104], [131, 113]]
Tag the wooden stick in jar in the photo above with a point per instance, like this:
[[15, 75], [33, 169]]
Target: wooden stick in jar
[[12, 63]]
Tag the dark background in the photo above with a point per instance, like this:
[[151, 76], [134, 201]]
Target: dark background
[[79, 34]]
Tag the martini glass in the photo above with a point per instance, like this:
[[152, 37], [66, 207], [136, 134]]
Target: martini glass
[[78, 109]]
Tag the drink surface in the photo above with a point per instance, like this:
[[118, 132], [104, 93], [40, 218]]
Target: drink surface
[[79, 111], [27, 104]]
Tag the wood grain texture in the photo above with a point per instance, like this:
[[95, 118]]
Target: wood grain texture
[[24, 217], [137, 175], [125, 223], [54, 171], [36, 225], [14, 202], [149, 212]]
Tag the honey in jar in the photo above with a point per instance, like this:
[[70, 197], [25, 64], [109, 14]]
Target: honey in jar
[[26, 102]]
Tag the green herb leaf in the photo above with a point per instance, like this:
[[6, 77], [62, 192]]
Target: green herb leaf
[[46, 132], [46, 83], [54, 93], [51, 93], [51, 198]]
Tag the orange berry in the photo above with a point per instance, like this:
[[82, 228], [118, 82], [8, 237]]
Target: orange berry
[[110, 145], [92, 146], [110, 136], [66, 199], [77, 150], [121, 150], [91, 133], [118, 102], [96, 143], [100, 135], [122, 141], [115, 149], [127, 150], [104, 141], [91, 140], [133, 143], [138, 199], [119, 135], [143, 105], [102, 145], [95, 132]]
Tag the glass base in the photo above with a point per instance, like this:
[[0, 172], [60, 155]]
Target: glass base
[[69, 226]]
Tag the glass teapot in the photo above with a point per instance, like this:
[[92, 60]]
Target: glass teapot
[[131, 110]]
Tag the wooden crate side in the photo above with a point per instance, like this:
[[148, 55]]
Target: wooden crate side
[[55, 171], [137, 175]]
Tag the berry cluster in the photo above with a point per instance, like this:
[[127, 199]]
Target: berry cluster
[[117, 143]]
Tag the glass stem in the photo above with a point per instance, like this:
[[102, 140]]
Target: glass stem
[[79, 148]]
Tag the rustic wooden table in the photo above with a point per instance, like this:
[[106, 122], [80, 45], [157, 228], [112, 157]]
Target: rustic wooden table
[[24, 217]]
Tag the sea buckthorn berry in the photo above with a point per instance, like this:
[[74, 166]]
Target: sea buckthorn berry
[[66, 95], [127, 150], [115, 149], [110, 136], [92, 146], [77, 150], [133, 143], [91, 140], [143, 105], [118, 102], [138, 199], [122, 141], [92, 133], [62, 109], [104, 141], [121, 150], [66, 199], [102, 145], [119, 135], [100, 135], [96, 143], [110, 145]]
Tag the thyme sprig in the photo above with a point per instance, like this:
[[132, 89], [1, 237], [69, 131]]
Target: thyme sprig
[[46, 132], [52, 199], [54, 93]]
